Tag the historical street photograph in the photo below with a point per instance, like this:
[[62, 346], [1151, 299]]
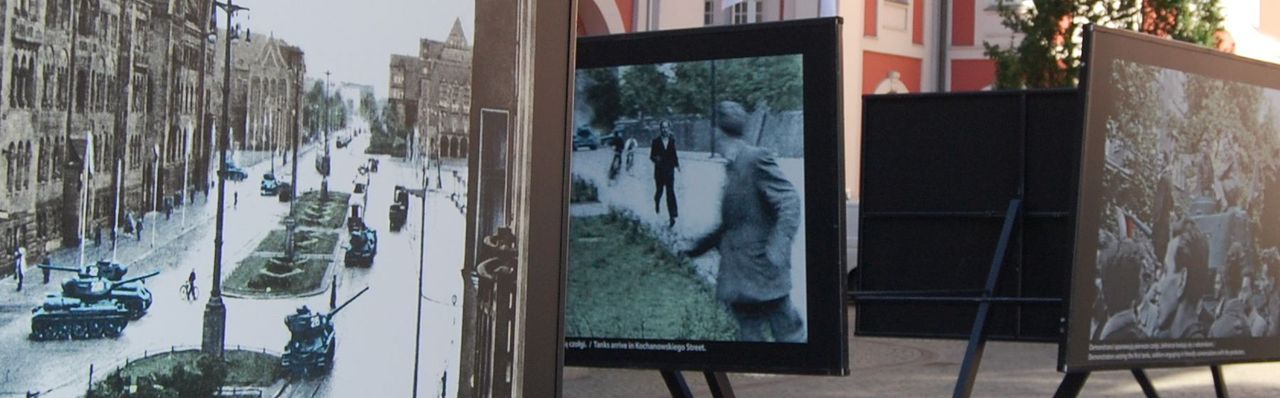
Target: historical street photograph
[[235, 198], [687, 202]]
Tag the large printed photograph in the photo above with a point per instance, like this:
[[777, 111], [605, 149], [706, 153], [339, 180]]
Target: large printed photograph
[[687, 204], [1187, 255], [324, 257]]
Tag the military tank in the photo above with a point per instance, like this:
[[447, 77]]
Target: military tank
[[103, 281], [312, 340], [92, 311], [363, 247]]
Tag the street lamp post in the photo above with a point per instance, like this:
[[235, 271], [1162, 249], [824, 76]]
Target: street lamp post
[[291, 221], [155, 190], [324, 182], [215, 312], [422, 259]]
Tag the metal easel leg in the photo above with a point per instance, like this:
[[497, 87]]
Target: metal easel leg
[[1071, 385], [719, 383], [978, 336], [1148, 389], [676, 384], [1219, 384]]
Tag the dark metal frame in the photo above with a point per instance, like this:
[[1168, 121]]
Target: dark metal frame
[[978, 336]]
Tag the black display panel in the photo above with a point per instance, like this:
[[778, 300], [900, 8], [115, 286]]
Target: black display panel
[[706, 213], [938, 171], [1176, 257]]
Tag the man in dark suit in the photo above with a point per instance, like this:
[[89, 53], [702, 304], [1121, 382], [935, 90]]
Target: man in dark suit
[[662, 151], [759, 215]]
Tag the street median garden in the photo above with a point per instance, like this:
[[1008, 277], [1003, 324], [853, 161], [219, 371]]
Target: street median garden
[[267, 272]]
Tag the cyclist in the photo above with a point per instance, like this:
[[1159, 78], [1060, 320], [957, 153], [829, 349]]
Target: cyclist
[[191, 285]]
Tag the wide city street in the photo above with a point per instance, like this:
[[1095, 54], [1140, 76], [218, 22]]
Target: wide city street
[[375, 333]]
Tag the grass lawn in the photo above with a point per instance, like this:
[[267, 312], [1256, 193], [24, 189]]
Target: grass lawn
[[312, 212], [246, 368], [246, 279], [309, 242], [624, 283]]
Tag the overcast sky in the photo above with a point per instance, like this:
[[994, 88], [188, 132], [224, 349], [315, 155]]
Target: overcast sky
[[355, 39]]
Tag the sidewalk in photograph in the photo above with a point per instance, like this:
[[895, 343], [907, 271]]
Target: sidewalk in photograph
[[159, 233]]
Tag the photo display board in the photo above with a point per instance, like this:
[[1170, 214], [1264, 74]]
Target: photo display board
[[927, 227], [1176, 260], [706, 211], [245, 188]]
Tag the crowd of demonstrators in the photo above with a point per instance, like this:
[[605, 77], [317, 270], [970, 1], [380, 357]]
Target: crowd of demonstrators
[[1179, 294]]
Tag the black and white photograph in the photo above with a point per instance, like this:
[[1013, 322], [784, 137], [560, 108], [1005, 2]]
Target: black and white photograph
[[687, 202], [247, 198], [1187, 252], [1179, 218]]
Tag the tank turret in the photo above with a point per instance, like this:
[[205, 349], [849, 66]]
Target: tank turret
[[312, 340], [129, 293], [102, 269]]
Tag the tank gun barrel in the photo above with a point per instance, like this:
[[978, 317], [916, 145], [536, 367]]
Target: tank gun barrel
[[344, 304], [60, 268], [115, 285]]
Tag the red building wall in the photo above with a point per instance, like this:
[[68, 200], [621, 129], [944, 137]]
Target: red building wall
[[972, 74], [628, 10], [962, 15], [876, 66], [917, 22], [870, 12]]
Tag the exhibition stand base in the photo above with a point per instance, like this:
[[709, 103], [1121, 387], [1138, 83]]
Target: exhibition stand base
[[717, 381], [1073, 382]]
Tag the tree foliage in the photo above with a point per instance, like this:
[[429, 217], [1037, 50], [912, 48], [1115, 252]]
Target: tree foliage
[[209, 375], [1049, 52], [1213, 139], [602, 93], [316, 103], [692, 88]]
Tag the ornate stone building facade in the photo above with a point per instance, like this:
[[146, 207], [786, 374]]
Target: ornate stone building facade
[[266, 97], [433, 91], [126, 71]]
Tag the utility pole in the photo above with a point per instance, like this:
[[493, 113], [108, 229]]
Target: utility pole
[[324, 182], [215, 312], [72, 181]]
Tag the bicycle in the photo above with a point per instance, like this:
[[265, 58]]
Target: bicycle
[[189, 291]]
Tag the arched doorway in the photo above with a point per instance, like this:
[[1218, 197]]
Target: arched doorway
[[600, 17]]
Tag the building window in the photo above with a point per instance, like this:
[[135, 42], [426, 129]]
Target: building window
[[708, 12], [759, 11], [740, 13]]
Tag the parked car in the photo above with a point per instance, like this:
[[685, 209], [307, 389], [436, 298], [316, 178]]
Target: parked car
[[269, 185], [584, 138]]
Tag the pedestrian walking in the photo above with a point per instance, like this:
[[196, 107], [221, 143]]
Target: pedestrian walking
[[138, 229], [19, 261], [662, 152], [235, 199], [45, 269], [759, 215]]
